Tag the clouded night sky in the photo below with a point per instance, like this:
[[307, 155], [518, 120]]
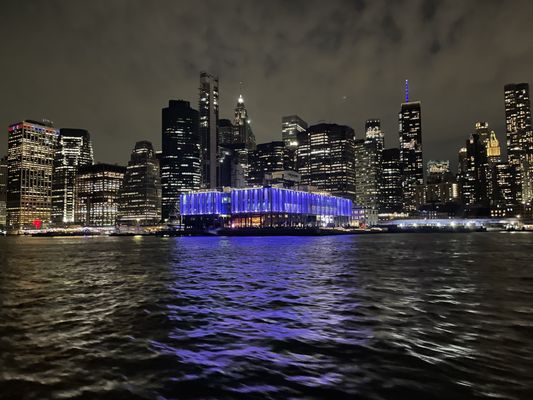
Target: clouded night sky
[[110, 66]]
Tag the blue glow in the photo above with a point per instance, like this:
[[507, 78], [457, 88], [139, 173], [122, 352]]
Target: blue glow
[[204, 203], [263, 201]]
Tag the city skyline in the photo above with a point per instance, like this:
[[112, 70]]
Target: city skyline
[[119, 100]]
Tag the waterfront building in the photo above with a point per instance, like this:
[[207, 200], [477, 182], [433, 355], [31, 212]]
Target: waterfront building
[[225, 132], [265, 159], [97, 190], [368, 166], [263, 207], [519, 139], [326, 158], [391, 200], [139, 200], [3, 191], [208, 113], [74, 150], [410, 127], [242, 130], [180, 157], [31, 152]]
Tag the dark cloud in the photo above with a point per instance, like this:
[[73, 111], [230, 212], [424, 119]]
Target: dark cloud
[[109, 66]]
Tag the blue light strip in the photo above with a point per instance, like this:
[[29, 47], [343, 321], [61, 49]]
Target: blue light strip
[[263, 201]]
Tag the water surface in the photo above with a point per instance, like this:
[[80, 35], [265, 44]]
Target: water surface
[[414, 316]]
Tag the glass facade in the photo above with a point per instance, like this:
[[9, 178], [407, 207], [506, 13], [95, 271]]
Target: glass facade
[[139, 200], [74, 150], [208, 114], [97, 190], [410, 119], [264, 200], [180, 157], [31, 151]]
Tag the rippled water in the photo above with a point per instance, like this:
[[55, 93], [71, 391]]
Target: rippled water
[[409, 316]]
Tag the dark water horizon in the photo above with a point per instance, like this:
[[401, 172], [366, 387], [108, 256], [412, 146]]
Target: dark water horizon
[[406, 316]]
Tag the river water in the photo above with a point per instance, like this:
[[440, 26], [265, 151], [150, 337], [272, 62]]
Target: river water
[[392, 316]]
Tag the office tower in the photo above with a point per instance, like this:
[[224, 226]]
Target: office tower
[[242, 130], [493, 159], [74, 150], [410, 123], [438, 171], [493, 149], [225, 132], [3, 191], [97, 189], [208, 114], [139, 200], [31, 151], [180, 157], [519, 139], [474, 177], [483, 130], [391, 199], [368, 154], [291, 126], [441, 189], [326, 157], [503, 201], [265, 159]]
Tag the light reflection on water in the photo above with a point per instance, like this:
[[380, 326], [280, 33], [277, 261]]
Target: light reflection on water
[[380, 316]]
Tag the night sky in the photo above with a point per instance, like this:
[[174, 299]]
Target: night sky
[[110, 66]]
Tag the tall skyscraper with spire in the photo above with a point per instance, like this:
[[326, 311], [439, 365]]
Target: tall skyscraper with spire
[[242, 130], [519, 139], [410, 129], [208, 113]]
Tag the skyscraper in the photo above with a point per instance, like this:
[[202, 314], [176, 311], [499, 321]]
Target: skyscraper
[[519, 139], [180, 157], [139, 200], [290, 127], [368, 165], [3, 191], [208, 114], [31, 151], [242, 130], [325, 158], [225, 132], [391, 199], [483, 130], [410, 119], [474, 177], [97, 188], [438, 171], [74, 150], [265, 159]]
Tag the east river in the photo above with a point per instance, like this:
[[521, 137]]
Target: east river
[[390, 316]]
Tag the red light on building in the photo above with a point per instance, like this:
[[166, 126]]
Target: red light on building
[[37, 223]]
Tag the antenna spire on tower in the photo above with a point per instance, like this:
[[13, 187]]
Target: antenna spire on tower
[[407, 90]]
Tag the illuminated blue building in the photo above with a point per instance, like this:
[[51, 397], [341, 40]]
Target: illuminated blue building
[[263, 207]]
